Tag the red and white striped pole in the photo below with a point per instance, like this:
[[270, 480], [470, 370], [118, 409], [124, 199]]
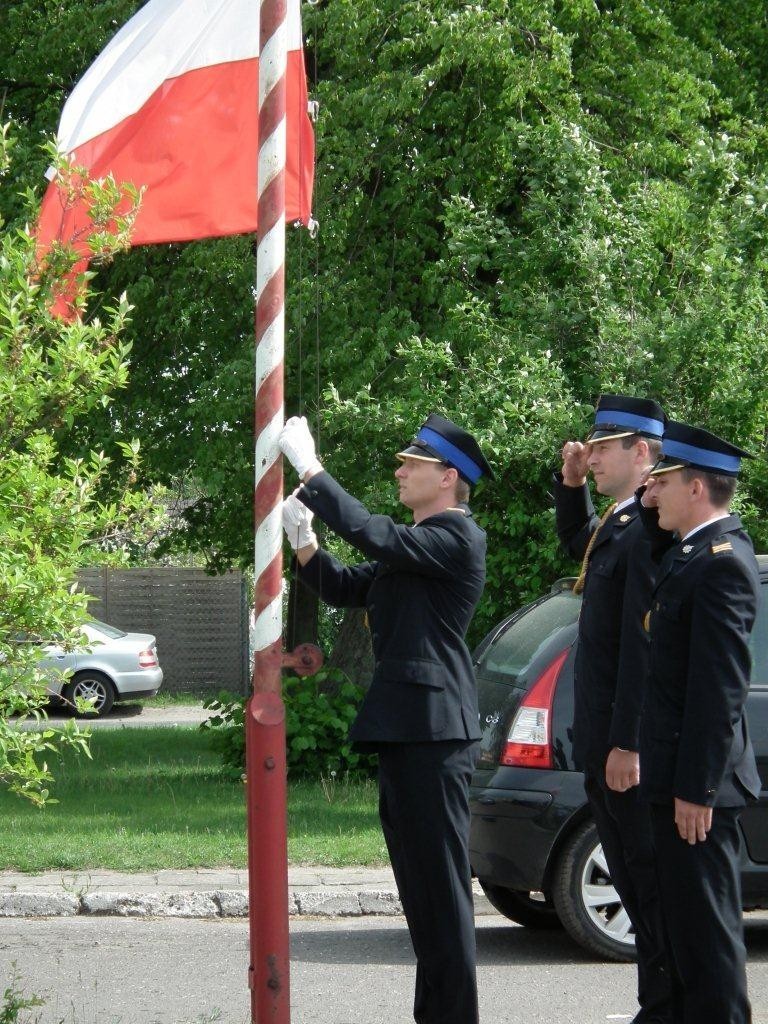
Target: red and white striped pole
[[265, 719]]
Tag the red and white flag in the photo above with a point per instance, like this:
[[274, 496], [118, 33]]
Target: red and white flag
[[171, 106]]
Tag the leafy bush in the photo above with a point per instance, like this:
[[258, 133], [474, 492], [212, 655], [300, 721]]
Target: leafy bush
[[317, 721]]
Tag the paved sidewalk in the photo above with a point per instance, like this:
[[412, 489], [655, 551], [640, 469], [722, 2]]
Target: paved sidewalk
[[202, 892], [137, 715]]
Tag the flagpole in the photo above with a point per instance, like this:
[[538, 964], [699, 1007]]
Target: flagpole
[[265, 719]]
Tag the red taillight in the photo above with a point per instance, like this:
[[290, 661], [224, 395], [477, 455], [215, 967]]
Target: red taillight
[[529, 743], [148, 658]]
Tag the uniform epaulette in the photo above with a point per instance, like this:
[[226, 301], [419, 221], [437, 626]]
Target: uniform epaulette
[[723, 545]]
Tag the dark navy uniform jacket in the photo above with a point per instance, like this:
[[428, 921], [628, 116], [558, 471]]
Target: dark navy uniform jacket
[[420, 589], [612, 652], [694, 742]]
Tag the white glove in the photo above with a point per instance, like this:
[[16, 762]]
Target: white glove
[[297, 523], [298, 445]]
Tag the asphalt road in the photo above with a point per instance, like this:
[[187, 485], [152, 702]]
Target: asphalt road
[[344, 971]]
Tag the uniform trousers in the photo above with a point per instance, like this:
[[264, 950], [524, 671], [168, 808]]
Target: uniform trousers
[[424, 810], [700, 887], [623, 823]]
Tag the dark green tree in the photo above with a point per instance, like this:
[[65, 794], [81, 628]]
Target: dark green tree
[[521, 205]]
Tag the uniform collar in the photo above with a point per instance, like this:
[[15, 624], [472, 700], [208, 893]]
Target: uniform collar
[[624, 513], [460, 509], [716, 528], [622, 505], [702, 526]]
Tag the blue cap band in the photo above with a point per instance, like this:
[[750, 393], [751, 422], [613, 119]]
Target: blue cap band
[[619, 418], [451, 454], [700, 456]]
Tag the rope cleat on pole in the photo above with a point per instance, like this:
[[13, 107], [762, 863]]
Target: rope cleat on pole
[[305, 660]]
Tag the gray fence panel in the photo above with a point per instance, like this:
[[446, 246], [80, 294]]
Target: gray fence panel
[[200, 621]]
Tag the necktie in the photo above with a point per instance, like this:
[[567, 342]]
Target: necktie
[[578, 586]]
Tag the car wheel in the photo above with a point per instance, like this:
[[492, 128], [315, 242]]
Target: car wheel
[[586, 901], [522, 907], [94, 687]]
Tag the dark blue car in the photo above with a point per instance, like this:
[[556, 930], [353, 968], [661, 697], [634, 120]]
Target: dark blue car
[[533, 845]]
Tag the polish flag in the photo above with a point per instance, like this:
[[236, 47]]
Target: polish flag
[[171, 105]]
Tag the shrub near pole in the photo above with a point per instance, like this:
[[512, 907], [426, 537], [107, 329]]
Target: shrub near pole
[[265, 720]]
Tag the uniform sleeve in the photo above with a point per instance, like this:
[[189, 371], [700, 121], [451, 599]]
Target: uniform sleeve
[[724, 607], [660, 540], [343, 586], [431, 548], [635, 649], [574, 516]]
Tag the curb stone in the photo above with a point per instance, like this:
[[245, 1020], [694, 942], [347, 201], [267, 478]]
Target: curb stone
[[35, 904], [217, 903]]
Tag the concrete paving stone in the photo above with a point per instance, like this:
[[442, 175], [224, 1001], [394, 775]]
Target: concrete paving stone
[[231, 878], [386, 904], [81, 882], [304, 877], [357, 876], [325, 904], [169, 881]]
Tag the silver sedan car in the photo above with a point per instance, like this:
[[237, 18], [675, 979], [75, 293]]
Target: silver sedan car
[[111, 665]]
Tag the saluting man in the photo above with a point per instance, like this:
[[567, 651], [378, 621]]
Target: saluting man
[[697, 766], [611, 662], [420, 587]]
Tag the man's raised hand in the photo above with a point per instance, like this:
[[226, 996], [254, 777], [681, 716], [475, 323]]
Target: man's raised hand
[[298, 445], [575, 457]]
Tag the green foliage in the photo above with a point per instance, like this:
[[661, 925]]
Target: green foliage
[[14, 1000], [53, 518], [521, 205], [317, 721]]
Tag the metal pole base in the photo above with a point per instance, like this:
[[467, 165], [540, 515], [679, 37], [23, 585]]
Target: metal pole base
[[268, 974]]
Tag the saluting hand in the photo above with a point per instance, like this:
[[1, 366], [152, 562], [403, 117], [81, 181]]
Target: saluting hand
[[622, 770], [693, 821], [648, 483], [575, 457]]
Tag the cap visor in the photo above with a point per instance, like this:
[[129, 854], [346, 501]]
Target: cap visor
[[608, 436], [658, 469], [416, 452]]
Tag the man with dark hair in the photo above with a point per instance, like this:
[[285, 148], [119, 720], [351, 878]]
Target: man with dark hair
[[420, 714], [697, 767], [611, 660]]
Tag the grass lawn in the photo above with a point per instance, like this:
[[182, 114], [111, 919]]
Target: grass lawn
[[166, 699], [155, 798]]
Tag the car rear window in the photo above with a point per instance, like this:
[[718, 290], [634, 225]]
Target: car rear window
[[102, 627], [510, 654], [758, 641]]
